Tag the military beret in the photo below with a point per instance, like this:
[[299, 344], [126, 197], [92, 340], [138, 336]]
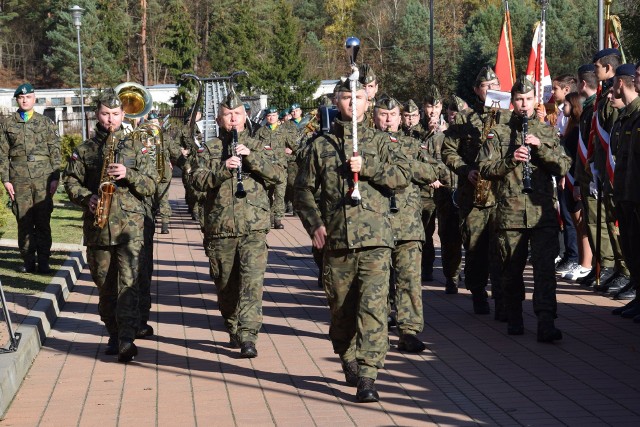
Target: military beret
[[271, 110], [294, 106], [283, 113], [605, 52], [247, 106], [23, 89], [366, 74], [522, 85], [152, 115], [345, 86], [455, 103], [486, 74], [387, 103], [232, 101], [626, 70], [432, 96], [586, 68], [410, 107], [109, 99]]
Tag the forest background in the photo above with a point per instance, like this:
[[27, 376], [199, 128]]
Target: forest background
[[288, 46]]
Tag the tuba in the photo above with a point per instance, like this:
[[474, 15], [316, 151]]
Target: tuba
[[107, 183]]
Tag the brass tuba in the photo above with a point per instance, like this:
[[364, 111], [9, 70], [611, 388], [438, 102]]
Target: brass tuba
[[107, 183]]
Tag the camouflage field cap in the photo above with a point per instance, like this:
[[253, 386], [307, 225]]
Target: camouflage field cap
[[432, 96], [345, 86], [486, 74], [366, 74], [455, 103], [410, 107], [23, 89], [109, 99], [522, 85], [232, 101], [387, 103]]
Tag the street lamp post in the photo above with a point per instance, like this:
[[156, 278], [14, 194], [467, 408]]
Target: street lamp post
[[76, 13]]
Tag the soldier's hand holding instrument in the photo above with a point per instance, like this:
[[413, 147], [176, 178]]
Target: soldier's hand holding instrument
[[240, 192]]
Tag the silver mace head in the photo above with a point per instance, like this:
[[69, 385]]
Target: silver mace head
[[352, 45]]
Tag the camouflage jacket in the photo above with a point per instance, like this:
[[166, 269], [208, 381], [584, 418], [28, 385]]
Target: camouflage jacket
[[274, 142], [407, 222], [326, 170], [582, 175], [225, 214], [29, 149], [516, 209], [463, 140], [416, 131], [82, 178], [625, 143], [607, 116], [431, 148]]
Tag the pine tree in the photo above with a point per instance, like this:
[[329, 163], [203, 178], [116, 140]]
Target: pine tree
[[177, 40]]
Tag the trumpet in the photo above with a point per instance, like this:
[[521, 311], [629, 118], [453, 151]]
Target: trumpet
[[240, 193]]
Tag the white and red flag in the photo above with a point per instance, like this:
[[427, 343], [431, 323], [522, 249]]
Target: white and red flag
[[537, 69]]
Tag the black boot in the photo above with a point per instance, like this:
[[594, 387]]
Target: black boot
[[127, 350], [29, 266], [515, 323], [410, 343], [480, 302], [619, 310], [277, 224], [112, 345], [145, 330], [350, 370], [248, 350], [43, 266], [367, 390], [547, 331], [164, 228], [234, 341], [451, 286], [500, 311], [631, 312]]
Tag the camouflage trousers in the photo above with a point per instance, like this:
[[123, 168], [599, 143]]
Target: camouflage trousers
[[513, 247], [610, 250], [449, 233], [114, 270], [146, 269], [480, 257], [292, 171], [408, 299], [237, 266], [161, 201], [189, 193], [629, 222], [32, 208], [276, 198], [429, 224], [356, 283]]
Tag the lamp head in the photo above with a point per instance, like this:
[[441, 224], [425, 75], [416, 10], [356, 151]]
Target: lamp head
[[352, 45], [76, 13]]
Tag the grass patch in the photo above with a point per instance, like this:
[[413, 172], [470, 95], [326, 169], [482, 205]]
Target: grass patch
[[26, 283], [66, 221]]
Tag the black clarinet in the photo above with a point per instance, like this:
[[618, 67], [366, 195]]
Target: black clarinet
[[526, 174], [240, 193], [393, 204]]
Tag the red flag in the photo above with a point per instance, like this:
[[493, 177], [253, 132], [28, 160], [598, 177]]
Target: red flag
[[533, 67], [504, 66]]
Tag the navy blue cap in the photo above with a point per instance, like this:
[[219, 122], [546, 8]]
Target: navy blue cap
[[605, 52], [586, 68], [626, 70]]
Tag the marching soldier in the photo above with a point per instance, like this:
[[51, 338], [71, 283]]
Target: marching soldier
[[356, 238], [411, 125], [454, 106], [236, 226], [510, 156], [406, 222], [112, 230], [30, 171], [369, 81], [297, 128], [275, 139], [463, 141]]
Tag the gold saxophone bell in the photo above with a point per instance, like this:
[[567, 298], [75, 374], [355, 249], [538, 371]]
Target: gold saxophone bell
[[136, 99]]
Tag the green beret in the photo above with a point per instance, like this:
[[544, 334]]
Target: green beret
[[366, 74], [387, 103], [432, 96], [486, 74], [294, 106], [109, 99], [272, 109], [152, 115], [23, 89], [522, 85], [345, 86], [232, 101], [410, 107]]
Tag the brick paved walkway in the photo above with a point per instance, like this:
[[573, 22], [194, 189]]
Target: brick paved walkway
[[472, 372]]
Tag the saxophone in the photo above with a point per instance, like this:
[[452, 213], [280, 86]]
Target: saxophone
[[107, 183], [483, 186]]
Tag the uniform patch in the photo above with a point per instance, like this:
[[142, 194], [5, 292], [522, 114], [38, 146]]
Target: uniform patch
[[490, 135], [393, 138], [75, 156], [267, 147], [424, 147], [200, 149], [144, 150]]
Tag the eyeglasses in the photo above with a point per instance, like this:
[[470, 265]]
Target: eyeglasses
[[490, 85], [413, 116]]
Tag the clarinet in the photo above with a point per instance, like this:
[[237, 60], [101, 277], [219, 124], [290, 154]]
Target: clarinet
[[393, 205], [240, 193], [526, 174]]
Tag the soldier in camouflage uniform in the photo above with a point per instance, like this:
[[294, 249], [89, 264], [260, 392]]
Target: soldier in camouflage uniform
[[455, 105], [296, 126], [369, 81], [357, 238], [30, 170], [463, 140], [113, 252], [524, 219], [408, 233], [190, 143], [275, 139], [237, 227], [411, 125]]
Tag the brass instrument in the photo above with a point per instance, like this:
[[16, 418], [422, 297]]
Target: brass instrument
[[150, 135], [483, 186], [107, 183]]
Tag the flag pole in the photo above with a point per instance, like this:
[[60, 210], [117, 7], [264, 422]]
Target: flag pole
[[512, 59]]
